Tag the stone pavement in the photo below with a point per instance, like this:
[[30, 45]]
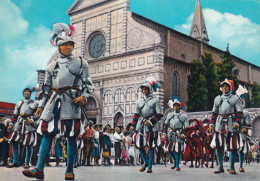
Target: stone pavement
[[131, 173]]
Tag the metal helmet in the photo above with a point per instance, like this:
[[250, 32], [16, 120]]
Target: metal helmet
[[62, 33], [146, 84], [228, 82], [151, 84], [175, 100]]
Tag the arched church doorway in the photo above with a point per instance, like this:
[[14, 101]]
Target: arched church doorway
[[91, 109], [118, 120], [256, 128]]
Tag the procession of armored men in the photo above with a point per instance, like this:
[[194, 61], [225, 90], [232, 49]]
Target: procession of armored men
[[57, 126]]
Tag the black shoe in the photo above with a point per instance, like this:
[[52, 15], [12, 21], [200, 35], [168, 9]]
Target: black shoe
[[12, 165], [143, 167]]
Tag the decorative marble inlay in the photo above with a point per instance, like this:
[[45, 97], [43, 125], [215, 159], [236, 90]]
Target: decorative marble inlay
[[116, 66], [134, 38], [123, 64], [132, 63], [150, 59], [108, 67], [140, 61]]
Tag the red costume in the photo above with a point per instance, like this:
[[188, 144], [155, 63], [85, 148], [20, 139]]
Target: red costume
[[209, 150]]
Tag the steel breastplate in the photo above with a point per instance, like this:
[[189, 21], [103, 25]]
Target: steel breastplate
[[26, 108], [64, 75], [175, 122], [147, 111], [226, 107]]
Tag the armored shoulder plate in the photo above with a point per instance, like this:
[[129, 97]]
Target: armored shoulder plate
[[19, 104], [151, 102], [217, 100], [233, 100], [140, 103], [51, 66], [183, 117], [74, 66], [34, 105], [170, 115]]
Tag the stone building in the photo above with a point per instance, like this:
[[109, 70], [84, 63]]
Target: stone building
[[124, 48]]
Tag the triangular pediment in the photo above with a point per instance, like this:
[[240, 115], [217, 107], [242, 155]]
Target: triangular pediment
[[82, 4]]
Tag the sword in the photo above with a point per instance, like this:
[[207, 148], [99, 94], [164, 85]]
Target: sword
[[176, 129], [251, 139]]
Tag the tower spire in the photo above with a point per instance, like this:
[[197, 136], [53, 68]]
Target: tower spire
[[198, 27]]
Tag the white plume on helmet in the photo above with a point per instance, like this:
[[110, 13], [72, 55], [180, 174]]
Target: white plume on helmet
[[151, 84], [241, 90], [175, 100], [62, 33]]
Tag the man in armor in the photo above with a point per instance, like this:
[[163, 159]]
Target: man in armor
[[174, 130], [66, 87], [24, 129], [225, 119], [146, 122], [245, 125]]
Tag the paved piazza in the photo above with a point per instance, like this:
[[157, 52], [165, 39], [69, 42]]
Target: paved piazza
[[131, 173]]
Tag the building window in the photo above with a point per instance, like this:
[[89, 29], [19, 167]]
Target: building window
[[119, 96], [96, 45], [130, 100], [175, 84], [108, 97], [182, 57]]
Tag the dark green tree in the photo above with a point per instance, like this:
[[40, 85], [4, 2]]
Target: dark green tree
[[225, 69], [212, 85], [197, 92], [255, 99]]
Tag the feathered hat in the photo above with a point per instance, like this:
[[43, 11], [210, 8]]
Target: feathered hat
[[175, 100], [62, 33], [229, 82], [151, 84], [242, 92], [31, 87]]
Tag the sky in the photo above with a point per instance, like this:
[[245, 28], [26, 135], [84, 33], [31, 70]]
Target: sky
[[26, 32]]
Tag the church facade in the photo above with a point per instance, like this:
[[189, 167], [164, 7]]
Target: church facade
[[124, 48]]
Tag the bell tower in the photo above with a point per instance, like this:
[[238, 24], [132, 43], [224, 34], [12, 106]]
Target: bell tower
[[198, 27]]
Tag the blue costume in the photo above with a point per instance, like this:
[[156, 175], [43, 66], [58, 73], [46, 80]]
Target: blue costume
[[66, 78], [148, 109]]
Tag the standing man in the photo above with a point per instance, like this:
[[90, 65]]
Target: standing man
[[88, 144], [146, 122], [226, 117], [118, 140], [174, 129], [245, 125], [24, 130], [66, 87]]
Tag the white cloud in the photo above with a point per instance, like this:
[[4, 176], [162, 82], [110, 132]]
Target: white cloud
[[241, 33], [35, 52], [13, 26], [28, 51]]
